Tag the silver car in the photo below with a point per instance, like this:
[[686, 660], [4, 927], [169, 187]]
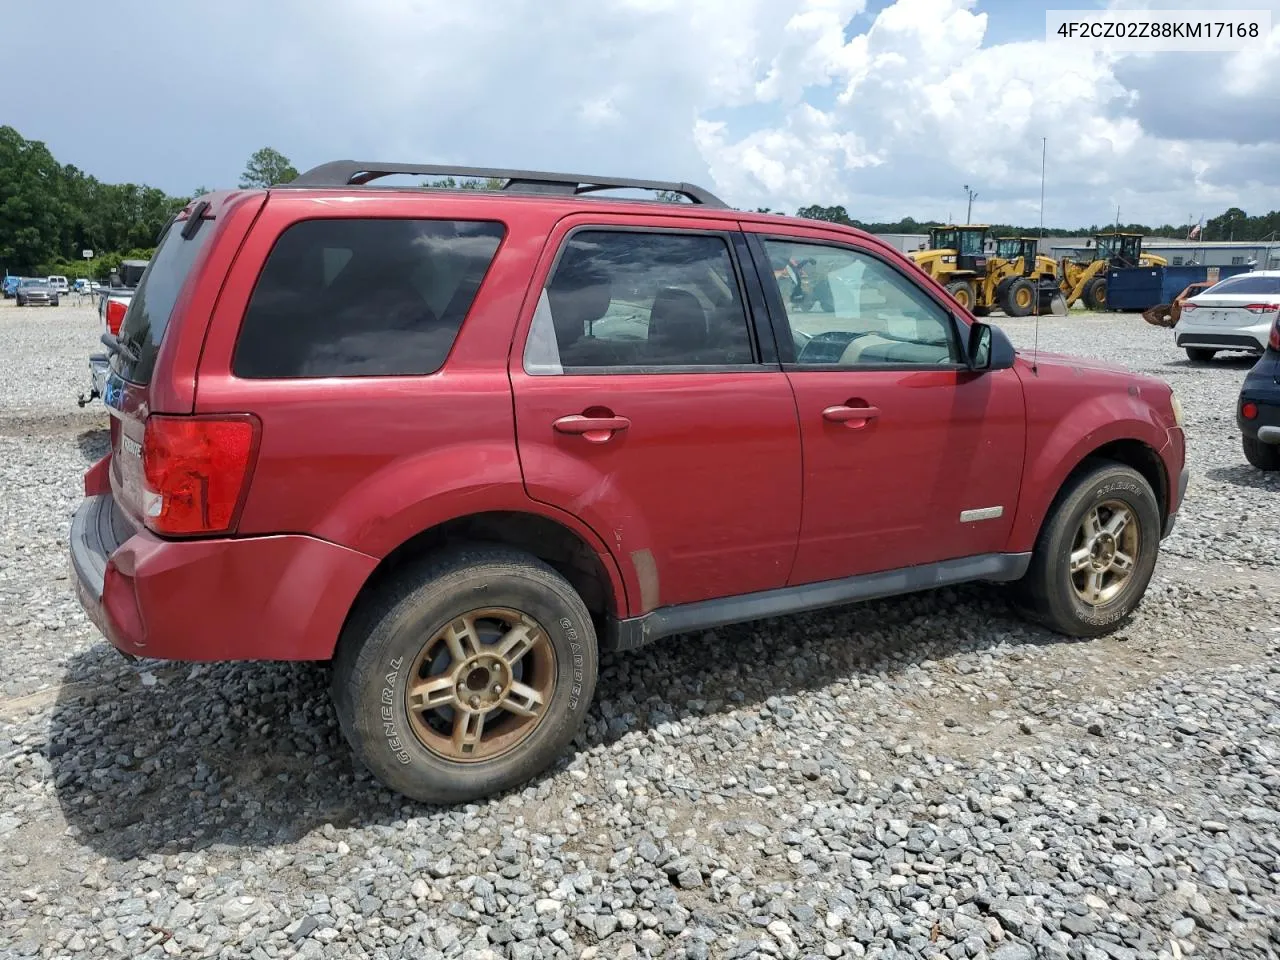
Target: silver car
[[33, 292]]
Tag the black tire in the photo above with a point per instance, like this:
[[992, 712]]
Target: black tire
[[1200, 354], [1047, 594], [962, 290], [1023, 290], [386, 634], [1095, 294], [1264, 456], [981, 311]]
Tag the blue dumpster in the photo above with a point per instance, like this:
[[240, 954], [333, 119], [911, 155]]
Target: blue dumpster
[[1138, 288]]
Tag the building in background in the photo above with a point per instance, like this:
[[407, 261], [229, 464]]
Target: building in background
[[905, 242]]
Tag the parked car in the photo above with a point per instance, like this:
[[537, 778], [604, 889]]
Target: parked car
[[1237, 314], [458, 442], [60, 285], [33, 291], [1258, 409], [11, 286]]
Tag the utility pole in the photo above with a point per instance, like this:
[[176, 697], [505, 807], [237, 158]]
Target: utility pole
[[972, 194]]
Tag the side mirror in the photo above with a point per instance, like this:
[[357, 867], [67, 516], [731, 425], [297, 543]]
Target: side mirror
[[989, 348]]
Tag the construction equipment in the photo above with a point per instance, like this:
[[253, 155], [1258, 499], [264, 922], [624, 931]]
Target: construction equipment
[[957, 259], [1023, 277], [1086, 279]]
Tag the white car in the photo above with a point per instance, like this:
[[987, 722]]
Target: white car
[[1236, 314], [60, 285]]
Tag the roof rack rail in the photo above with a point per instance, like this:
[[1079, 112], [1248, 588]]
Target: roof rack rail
[[347, 173]]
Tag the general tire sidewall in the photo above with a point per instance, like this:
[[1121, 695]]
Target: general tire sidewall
[[1133, 491], [388, 744]]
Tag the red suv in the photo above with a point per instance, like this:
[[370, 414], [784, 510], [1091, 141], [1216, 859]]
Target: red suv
[[457, 441]]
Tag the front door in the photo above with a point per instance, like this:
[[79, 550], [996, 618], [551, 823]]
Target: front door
[[645, 407], [909, 456]]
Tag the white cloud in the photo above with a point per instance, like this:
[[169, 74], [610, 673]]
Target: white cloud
[[777, 102]]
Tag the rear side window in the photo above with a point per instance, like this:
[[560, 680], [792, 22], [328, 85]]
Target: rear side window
[[152, 303], [363, 297]]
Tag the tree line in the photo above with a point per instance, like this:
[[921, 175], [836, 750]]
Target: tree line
[[51, 212]]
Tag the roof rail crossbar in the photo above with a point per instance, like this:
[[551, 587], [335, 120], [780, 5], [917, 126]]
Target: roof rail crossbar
[[345, 173]]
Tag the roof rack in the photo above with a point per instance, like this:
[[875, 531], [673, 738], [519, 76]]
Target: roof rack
[[348, 173]]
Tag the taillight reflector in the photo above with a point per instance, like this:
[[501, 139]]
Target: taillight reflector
[[1249, 410], [196, 470], [115, 316]]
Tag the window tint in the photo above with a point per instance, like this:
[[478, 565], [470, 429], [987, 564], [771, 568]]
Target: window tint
[[152, 302], [634, 299], [1245, 284], [846, 309], [367, 298]]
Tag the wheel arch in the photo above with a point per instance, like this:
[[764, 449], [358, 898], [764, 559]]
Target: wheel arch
[[589, 568]]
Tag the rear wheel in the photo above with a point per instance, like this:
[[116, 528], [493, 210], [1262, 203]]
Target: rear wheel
[[1095, 554], [1200, 354], [962, 290], [1019, 297], [466, 675], [1264, 456]]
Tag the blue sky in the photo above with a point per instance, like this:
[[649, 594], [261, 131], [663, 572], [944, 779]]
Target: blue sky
[[885, 107]]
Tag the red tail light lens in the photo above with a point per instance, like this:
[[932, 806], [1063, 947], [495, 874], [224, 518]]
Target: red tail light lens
[[115, 316], [1249, 410], [196, 470], [1263, 308], [1188, 306]]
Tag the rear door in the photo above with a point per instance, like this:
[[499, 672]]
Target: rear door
[[909, 456], [647, 406]]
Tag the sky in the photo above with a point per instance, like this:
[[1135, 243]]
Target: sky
[[887, 108]]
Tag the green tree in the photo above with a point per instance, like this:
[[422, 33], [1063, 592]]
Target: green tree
[[266, 168]]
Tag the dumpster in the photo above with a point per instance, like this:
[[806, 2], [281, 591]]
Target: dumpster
[[1140, 288]]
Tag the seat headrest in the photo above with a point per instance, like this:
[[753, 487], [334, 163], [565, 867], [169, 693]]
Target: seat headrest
[[677, 323]]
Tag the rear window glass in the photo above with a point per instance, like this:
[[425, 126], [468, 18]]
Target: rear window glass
[[1245, 284], [152, 302], [363, 297]]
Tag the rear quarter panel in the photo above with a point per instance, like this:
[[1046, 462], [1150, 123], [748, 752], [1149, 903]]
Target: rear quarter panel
[[1071, 412], [369, 462]]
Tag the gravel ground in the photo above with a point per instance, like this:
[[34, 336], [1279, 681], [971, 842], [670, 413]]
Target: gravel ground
[[924, 777]]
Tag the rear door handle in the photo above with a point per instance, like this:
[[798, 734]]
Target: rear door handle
[[594, 429], [850, 416]]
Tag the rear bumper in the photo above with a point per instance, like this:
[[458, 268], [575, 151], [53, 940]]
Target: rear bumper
[[1252, 339], [1262, 388], [256, 598]]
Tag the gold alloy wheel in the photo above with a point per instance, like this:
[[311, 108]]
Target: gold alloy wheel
[[1105, 552], [1022, 298], [481, 685]]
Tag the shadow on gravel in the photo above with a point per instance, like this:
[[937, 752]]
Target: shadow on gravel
[[1230, 361], [249, 755], [94, 444], [1245, 475]]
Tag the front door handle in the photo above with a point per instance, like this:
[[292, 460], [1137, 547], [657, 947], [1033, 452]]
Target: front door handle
[[854, 417], [593, 429]]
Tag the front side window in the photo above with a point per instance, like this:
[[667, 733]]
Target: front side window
[[637, 299], [944, 240], [971, 243], [862, 312], [363, 297]]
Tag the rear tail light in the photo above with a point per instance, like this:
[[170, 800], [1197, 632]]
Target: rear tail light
[[197, 470], [1249, 410], [1263, 308], [1188, 307], [115, 316]]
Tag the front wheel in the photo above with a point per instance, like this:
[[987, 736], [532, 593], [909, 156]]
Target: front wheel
[[1095, 554], [1264, 456], [1095, 294], [962, 290], [466, 675]]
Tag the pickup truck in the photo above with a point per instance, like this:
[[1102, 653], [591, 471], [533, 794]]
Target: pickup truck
[[113, 303]]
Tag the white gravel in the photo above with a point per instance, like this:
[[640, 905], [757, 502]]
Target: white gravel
[[926, 777]]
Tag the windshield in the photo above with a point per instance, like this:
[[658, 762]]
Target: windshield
[[34, 283], [1247, 284], [971, 243], [1008, 249], [943, 240]]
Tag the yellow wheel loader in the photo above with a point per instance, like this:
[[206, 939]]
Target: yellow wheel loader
[[1023, 277], [957, 259], [1087, 279]]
